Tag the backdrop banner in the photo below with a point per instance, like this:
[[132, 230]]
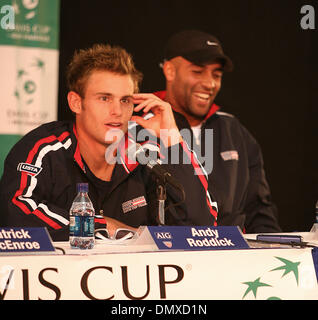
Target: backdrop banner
[[29, 68]]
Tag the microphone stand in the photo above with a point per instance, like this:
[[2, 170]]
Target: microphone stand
[[161, 193], [161, 197], [162, 178]]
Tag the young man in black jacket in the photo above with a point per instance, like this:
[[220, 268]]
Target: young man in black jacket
[[41, 171], [193, 66]]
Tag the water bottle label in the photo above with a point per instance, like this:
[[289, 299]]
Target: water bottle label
[[72, 226], [88, 227], [82, 226]]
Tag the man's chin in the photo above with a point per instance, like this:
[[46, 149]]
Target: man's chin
[[199, 113], [200, 110]]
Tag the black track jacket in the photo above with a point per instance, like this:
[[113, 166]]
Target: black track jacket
[[237, 181], [41, 171]]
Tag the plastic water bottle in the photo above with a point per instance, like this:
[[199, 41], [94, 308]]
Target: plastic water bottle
[[82, 214], [316, 212]]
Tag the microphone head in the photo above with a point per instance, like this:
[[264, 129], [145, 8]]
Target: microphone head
[[142, 153], [132, 151]]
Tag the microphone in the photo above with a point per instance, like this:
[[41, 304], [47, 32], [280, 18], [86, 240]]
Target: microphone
[[137, 153]]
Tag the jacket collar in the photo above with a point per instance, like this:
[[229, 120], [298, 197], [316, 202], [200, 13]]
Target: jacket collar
[[77, 155], [122, 158]]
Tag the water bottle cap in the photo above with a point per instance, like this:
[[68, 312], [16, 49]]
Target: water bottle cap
[[82, 187]]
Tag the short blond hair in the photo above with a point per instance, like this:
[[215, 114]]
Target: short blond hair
[[100, 57]]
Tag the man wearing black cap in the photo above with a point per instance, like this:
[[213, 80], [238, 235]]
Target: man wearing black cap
[[193, 66]]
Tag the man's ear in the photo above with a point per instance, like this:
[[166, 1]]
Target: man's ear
[[74, 102], [169, 70]]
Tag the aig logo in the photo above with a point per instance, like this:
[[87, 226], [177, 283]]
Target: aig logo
[[163, 235]]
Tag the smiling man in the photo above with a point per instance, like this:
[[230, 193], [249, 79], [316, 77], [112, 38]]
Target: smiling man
[[194, 63], [41, 171]]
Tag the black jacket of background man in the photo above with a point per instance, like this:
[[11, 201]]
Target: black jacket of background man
[[237, 181]]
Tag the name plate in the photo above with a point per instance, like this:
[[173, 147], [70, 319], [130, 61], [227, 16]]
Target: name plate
[[19, 240], [198, 238]]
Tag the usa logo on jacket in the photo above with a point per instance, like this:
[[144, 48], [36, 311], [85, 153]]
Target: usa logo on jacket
[[29, 169], [134, 204]]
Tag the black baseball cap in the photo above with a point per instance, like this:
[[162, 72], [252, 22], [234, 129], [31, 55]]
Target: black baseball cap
[[197, 47]]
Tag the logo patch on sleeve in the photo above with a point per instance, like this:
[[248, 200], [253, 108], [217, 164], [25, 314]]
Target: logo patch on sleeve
[[134, 204], [29, 169], [230, 155]]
